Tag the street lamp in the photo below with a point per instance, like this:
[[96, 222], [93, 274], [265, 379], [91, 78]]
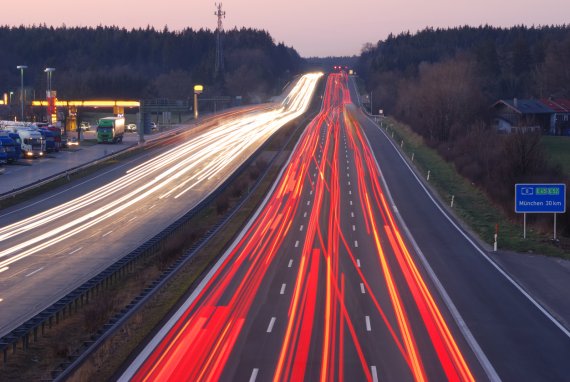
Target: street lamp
[[198, 89], [22, 67], [50, 97], [11, 94], [49, 72]]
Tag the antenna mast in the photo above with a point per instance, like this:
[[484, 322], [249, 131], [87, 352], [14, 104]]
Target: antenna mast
[[219, 68]]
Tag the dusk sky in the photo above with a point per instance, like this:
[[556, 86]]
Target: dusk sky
[[313, 27]]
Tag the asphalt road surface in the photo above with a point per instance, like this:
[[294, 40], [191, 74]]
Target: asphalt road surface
[[351, 270], [53, 244]]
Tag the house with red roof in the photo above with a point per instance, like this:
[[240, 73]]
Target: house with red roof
[[549, 116], [560, 118]]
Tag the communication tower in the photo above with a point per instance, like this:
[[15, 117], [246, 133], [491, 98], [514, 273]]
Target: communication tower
[[219, 68]]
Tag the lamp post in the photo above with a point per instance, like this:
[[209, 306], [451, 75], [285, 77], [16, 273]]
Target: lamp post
[[198, 89], [11, 94], [49, 72], [22, 67], [49, 96]]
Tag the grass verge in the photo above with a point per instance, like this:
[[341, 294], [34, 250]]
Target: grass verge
[[471, 204], [558, 150]]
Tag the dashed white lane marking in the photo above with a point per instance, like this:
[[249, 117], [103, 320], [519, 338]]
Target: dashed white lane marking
[[108, 233], [297, 244], [347, 175], [355, 243], [353, 227], [352, 214], [272, 322], [347, 167], [349, 182], [311, 192], [349, 192], [4, 269], [282, 291], [151, 207], [362, 288], [305, 214], [315, 175], [358, 262], [309, 203], [301, 228], [75, 250], [254, 375], [131, 219], [290, 263], [368, 327], [351, 202], [34, 272], [374, 373]]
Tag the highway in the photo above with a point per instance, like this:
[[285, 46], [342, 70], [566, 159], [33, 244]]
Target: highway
[[327, 283], [55, 243]]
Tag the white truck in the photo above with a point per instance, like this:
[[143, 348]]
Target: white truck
[[33, 143]]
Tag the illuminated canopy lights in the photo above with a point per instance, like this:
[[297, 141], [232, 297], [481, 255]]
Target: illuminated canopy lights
[[93, 103]]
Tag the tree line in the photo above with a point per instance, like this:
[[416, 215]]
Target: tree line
[[144, 63], [442, 82]]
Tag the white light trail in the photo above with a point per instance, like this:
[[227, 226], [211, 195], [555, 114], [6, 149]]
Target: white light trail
[[175, 172]]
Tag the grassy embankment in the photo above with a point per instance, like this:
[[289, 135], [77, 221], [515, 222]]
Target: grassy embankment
[[558, 150], [471, 204]]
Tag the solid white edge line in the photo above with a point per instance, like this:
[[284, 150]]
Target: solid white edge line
[[479, 353], [158, 337], [489, 259]]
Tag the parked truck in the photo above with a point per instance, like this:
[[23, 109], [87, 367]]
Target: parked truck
[[7, 149], [49, 140], [33, 144], [16, 138], [110, 129]]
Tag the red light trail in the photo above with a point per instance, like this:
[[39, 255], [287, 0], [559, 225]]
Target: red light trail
[[321, 335]]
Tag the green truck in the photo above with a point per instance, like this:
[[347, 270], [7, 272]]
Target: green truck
[[110, 130]]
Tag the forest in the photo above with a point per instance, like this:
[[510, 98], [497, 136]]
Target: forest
[[145, 63], [442, 82]]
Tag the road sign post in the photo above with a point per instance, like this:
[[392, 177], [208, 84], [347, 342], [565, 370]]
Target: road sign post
[[540, 198]]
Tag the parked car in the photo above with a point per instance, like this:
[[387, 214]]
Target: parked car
[[85, 126], [132, 127]]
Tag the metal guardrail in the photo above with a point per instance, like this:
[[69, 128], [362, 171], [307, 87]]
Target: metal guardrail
[[63, 174], [138, 302], [73, 170], [77, 298]]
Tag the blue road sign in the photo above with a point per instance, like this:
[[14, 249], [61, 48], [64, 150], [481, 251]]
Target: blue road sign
[[540, 198]]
